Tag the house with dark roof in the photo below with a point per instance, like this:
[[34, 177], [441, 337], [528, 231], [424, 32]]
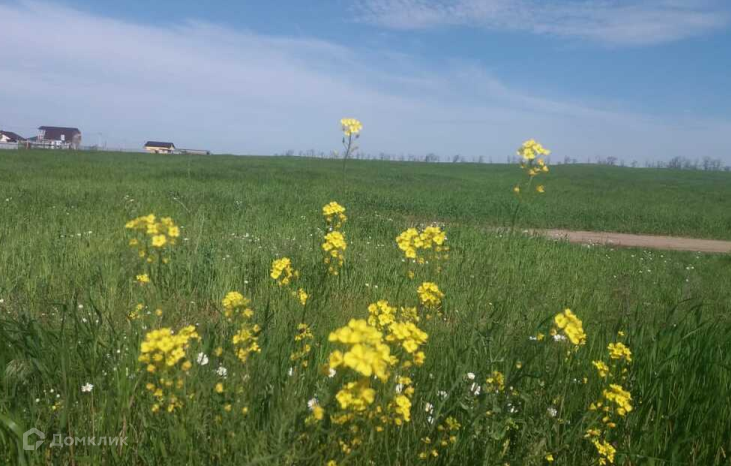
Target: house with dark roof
[[157, 147], [59, 137], [9, 136]]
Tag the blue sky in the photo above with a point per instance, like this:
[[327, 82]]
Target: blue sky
[[637, 79]]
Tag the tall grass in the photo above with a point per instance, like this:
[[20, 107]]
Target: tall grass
[[67, 289]]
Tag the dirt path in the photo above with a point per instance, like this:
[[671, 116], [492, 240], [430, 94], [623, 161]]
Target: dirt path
[[638, 241]]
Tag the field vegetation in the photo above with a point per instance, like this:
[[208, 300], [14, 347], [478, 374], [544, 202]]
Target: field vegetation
[[458, 343]]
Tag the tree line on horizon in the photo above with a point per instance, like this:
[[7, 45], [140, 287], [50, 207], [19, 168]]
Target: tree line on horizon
[[705, 163]]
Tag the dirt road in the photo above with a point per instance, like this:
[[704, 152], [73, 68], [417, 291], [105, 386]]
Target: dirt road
[[638, 241]]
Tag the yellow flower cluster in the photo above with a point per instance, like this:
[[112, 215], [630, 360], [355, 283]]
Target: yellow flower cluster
[[381, 314], [401, 331], [621, 398], [401, 407], [303, 339], [283, 272], [410, 337], [606, 451], [153, 235], [601, 368], [301, 295], [446, 437], [531, 148], [430, 295], [245, 340], [619, 351], [234, 303], [356, 396], [496, 382], [571, 326], [351, 126], [429, 240], [161, 348], [136, 313], [160, 353], [532, 163], [368, 354], [317, 412], [334, 247], [334, 215], [615, 400]]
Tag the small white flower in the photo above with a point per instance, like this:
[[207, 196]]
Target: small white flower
[[81, 306], [442, 394], [471, 375], [202, 359], [429, 408], [87, 388], [331, 372], [430, 420], [312, 403], [290, 372], [552, 411], [222, 371], [475, 389], [399, 388], [559, 337]]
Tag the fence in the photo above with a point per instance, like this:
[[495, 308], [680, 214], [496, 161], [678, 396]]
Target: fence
[[8, 145]]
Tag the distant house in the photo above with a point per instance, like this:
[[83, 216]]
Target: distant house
[[59, 137], [9, 136], [156, 147]]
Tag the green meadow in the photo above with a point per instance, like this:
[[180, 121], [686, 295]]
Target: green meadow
[[496, 385]]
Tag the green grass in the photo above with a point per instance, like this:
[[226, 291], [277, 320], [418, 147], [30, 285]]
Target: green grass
[[67, 288]]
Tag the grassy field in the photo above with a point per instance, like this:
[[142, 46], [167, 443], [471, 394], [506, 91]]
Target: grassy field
[[69, 315]]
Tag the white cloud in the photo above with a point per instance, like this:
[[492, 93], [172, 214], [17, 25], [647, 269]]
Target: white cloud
[[617, 22], [204, 86]]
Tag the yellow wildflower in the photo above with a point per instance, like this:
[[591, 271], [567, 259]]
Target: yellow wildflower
[[356, 396], [283, 272], [602, 368], [620, 397], [430, 295], [159, 241], [302, 296], [606, 451], [619, 351], [531, 148], [571, 326], [351, 126], [334, 215], [496, 382], [235, 302], [334, 247]]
